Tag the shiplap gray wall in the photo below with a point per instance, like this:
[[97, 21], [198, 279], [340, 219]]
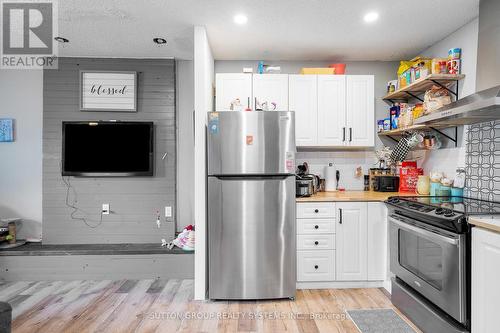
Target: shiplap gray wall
[[134, 201]]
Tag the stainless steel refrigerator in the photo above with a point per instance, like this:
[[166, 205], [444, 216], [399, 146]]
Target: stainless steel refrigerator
[[251, 204]]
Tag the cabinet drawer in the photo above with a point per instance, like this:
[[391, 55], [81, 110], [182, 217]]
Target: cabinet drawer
[[316, 242], [315, 210], [315, 226], [316, 265]]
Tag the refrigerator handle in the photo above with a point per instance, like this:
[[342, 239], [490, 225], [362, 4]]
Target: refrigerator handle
[[254, 177], [194, 125], [340, 215], [343, 134], [350, 134]]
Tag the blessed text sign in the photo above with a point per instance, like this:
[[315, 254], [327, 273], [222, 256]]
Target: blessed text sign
[[108, 91]]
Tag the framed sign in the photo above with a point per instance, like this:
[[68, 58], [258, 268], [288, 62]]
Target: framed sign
[[108, 91], [6, 130]]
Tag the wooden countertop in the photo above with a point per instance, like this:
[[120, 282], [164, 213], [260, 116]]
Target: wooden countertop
[[349, 196], [489, 223]]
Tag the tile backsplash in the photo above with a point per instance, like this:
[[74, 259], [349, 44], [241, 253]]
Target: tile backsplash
[[482, 161], [345, 162]]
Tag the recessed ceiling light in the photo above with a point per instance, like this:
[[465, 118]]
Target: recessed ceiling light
[[371, 17], [61, 40], [159, 40], [240, 19]]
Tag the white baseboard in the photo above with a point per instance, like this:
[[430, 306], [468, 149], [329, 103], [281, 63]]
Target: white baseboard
[[340, 284], [388, 286]]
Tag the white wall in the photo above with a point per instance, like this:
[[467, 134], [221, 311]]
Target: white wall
[[185, 143], [203, 103], [448, 159], [21, 98]]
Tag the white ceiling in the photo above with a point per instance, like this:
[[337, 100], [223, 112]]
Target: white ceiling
[[276, 29]]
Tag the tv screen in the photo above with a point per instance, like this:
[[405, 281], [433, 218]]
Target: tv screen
[[107, 148]]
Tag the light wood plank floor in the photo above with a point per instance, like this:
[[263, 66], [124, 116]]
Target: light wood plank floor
[[167, 306]]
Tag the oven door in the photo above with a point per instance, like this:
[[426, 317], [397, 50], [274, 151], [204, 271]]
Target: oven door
[[431, 261]]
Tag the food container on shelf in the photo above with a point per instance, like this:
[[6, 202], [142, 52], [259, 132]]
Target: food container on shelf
[[338, 68], [418, 110], [316, 71], [392, 86], [453, 66], [422, 68], [387, 124], [380, 125], [394, 115], [454, 53], [439, 66]]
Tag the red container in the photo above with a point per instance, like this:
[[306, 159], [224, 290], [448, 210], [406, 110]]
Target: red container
[[339, 68]]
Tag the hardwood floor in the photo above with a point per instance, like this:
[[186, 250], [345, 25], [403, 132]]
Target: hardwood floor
[[167, 306]]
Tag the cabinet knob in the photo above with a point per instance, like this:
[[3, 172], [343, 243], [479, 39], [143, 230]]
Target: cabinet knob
[[316, 210], [316, 243], [316, 266], [316, 226]]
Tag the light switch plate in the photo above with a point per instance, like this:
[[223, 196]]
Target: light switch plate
[[105, 209], [168, 211]]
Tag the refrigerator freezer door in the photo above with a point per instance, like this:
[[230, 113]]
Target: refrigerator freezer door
[[251, 230], [251, 142]]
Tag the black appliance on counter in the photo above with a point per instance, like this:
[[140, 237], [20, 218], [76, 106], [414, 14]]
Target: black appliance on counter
[[430, 255], [386, 184]]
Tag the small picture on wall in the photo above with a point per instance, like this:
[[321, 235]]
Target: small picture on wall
[[6, 130], [108, 91]]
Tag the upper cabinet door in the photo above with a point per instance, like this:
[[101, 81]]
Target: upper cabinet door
[[271, 88], [304, 101], [331, 110], [360, 110], [351, 241], [230, 87]]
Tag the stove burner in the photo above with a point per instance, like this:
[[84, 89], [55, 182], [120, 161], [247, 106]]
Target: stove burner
[[440, 211], [449, 213]]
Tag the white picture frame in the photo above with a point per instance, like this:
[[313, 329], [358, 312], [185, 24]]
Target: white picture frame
[[109, 91]]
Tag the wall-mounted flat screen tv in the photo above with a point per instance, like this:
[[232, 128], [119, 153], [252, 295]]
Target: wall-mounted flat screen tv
[[107, 149]]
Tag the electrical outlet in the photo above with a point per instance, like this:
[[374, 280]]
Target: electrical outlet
[[105, 209], [168, 211]]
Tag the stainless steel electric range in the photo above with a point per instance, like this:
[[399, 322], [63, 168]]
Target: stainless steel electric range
[[430, 254]]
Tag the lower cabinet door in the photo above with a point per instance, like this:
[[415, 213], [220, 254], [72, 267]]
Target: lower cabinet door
[[316, 265], [351, 243], [485, 286]]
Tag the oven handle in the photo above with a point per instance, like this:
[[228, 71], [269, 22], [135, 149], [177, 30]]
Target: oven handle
[[423, 232]]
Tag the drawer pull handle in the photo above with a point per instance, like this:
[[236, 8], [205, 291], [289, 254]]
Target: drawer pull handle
[[316, 266], [340, 213], [316, 243], [316, 226], [316, 210]]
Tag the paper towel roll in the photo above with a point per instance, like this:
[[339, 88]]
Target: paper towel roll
[[330, 177]]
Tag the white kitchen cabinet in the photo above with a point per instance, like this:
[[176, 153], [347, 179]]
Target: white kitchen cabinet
[[485, 285], [271, 88], [360, 112], [232, 86], [316, 265], [377, 241], [351, 241], [303, 99], [331, 110]]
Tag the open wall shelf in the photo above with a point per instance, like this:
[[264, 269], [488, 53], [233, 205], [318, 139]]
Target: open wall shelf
[[420, 86], [393, 134]]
